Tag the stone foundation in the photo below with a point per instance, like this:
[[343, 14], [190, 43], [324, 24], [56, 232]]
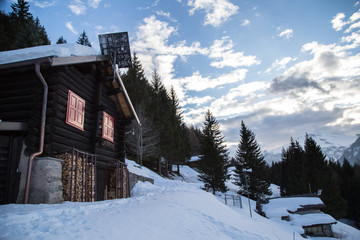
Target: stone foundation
[[46, 185]]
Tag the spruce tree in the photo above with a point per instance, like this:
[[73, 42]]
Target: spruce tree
[[137, 85], [61, 40], [275, 173], [293, 174], [180, 147], [162, 117], [314, 163], [19, 29], [248, 156], [83, 39], [194, 140], [5, 32], [335, 205], [214, 156]]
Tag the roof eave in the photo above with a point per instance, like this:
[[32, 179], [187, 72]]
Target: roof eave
[[61, 61]]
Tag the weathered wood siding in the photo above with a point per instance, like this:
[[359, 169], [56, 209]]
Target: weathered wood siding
[[21, 99], [60, 136]]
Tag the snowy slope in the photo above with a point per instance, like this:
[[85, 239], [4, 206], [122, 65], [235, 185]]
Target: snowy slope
[[169, 209]]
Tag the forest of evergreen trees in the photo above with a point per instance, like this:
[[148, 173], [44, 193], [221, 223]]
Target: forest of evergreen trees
[[164, 139], [305, 170], [19, 29]]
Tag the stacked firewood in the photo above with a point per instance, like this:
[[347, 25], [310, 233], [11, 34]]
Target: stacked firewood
[[122, 184], [78, 180]]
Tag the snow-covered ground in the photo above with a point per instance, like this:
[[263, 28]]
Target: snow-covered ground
[[169, 209]]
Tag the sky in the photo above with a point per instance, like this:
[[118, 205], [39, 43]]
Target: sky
[[285, 68]]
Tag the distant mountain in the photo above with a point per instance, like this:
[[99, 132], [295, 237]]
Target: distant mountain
[[329, 147], [352, 154], [272, 156]]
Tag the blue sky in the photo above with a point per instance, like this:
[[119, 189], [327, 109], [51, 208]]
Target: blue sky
[[284, 67]]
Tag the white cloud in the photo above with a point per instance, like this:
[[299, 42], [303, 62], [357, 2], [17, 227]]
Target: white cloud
[[165, 14], [237, 101], [224, 55], [199, 101], [318, 93], [280, 64], [288, 33], [44, 4], [78, 7], [197, 82], [71, 28], [94, 3], [337, 21], [217, 11], [154, 4], [154, 50], [353, 26], [327, 82], [246, 22]]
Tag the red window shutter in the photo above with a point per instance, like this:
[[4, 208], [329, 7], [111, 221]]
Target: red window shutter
[[108, 127], [75, 114]]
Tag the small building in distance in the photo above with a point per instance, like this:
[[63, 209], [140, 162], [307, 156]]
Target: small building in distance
[[303, 212], [63, 112], [194, 161]]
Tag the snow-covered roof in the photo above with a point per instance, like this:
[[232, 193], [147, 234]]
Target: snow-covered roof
[[311, 219], [194, 158], [278, 207], [57, 50]]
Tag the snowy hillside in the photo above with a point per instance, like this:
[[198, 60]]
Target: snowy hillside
[[169, 209]]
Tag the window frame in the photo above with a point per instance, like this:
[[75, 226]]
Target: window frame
[[76, 111], [105, 126]]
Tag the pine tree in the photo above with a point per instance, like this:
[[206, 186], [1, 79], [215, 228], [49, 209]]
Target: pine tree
[[335, 205], [293, 174], [138, 86], [315, 164], [248, 156], [180, 147], [20, 11], [61, 40], [19, 29], [194, 140], [276, 173], [162, 114], [83, 39], [214, 156], [5, 32]]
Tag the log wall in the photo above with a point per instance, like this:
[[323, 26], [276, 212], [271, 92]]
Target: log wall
[[21, 101]]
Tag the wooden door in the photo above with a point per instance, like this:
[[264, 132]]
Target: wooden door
[[10, 151]]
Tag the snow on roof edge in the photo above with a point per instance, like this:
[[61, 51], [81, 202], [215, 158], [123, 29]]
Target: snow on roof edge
[[57, 50]]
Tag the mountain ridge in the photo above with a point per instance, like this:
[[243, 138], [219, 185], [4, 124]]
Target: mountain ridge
[[332, 150]]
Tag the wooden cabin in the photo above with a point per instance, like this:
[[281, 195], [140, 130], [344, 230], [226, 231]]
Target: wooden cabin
[[301, 211], [86, 112]]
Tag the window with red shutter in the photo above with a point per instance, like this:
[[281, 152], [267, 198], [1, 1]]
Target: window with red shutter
[[75, 113], [108, 127]]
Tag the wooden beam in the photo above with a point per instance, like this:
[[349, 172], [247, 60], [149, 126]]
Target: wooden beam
[[13, 126]]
